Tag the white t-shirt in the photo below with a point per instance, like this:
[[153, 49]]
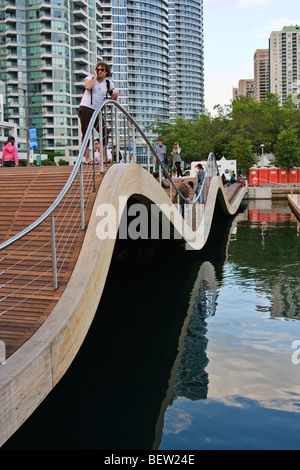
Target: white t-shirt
[[99, 91]]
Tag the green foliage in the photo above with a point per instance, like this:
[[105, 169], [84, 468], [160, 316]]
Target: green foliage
[[48, 162], [287, 149], [237, 132], [62, 162], [51, 155], [241, 149]]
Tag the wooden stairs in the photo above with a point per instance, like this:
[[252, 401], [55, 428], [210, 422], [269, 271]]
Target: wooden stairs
[[27, 294]]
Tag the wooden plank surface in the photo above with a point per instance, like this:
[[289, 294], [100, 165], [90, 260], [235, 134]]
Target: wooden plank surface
[[28, 299]]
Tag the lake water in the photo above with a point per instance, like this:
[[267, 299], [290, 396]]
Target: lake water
[[188, 350]]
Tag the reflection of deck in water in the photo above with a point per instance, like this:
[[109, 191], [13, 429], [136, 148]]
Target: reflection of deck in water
[[188, 376]]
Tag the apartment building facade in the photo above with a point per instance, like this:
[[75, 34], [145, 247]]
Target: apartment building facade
[[284, 49], [49, 46], [186, 61], [245, 88], [261, 74]]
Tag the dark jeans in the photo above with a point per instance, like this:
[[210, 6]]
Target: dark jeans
[[85, 114], [178, 168], [9, 163]]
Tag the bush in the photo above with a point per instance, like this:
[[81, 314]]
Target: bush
[[48, 162], [62, 162]]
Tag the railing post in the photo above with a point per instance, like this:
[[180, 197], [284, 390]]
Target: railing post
[[125, 140], [148, 159], [93, 146], [105, 134], [55, 283], [117, 136], [129, 148], [101, 141], [82, 198], [112, 130], [133, 144]]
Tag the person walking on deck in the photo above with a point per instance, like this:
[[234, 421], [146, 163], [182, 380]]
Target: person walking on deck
[[176, 154]]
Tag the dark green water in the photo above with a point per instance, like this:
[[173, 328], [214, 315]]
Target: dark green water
[[188, 350]]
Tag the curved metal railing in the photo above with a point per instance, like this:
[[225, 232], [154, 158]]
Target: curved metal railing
[[211, 170], [192, 211], [49, 240]]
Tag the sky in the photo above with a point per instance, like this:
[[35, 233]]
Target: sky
[[233, 30]]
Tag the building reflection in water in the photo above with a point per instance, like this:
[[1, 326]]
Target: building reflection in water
[[192, 379], [188, 377]]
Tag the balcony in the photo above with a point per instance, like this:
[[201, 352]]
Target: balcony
[[80, 3], [80, 25], [80, 36], [81, 60], [80, 48], [80, 14]]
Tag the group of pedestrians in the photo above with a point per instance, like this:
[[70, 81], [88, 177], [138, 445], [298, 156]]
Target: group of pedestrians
[[161, 152]]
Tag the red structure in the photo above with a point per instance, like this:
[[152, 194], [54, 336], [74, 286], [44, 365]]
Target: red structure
[[273, 175], [253, 177], [293, 175], [283, 176], [263, 175]]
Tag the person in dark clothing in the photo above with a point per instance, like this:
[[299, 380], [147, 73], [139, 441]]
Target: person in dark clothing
[[200, 175]]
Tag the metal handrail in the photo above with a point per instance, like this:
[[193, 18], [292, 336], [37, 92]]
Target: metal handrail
[[49, 211], [65, 216], [146, 140], [210, 170]]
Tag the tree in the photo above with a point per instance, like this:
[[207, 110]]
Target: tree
[[237, 132], [241, 150], [287, 149]]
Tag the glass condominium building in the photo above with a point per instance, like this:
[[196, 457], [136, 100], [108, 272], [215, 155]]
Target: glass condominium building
[[137, 45], [155, 49], [47, 49], [158, 48], [186, 62]]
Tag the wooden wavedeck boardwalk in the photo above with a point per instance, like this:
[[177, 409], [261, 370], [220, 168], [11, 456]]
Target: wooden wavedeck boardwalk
[[294, 202], [43, 328], [25, 194]]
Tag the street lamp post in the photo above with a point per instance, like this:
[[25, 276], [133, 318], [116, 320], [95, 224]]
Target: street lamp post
[[20, 87], [262, 149], [27, 128]]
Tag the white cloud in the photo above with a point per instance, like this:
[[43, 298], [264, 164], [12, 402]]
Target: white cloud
[[253, 3], [212, 4], [235, 3], [277, 25], [177, 420]]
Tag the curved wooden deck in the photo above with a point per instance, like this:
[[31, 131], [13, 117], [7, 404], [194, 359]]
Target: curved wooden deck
[[44, 336], [25, 194], [294, 202]]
